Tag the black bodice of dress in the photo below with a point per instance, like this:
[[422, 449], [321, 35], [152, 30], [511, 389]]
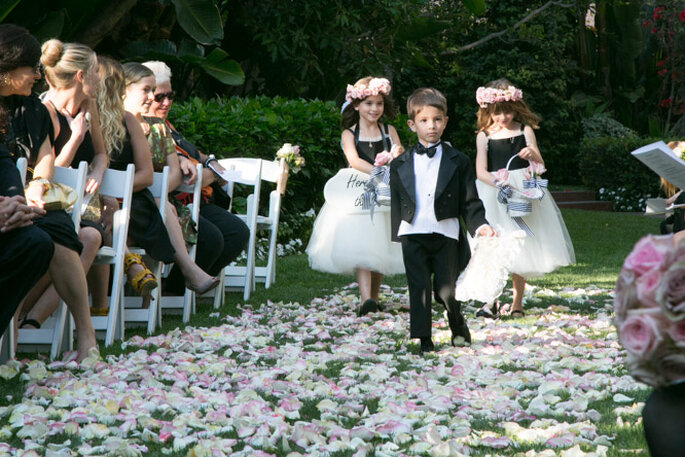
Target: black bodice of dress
[[119, 160], [28, 125], [85, 151], [501, 150], [368, 150]]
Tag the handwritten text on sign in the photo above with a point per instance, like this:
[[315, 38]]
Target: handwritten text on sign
[[344, 191]]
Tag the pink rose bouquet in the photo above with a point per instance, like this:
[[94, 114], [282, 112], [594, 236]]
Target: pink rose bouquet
[[649, 308], [292, 156]]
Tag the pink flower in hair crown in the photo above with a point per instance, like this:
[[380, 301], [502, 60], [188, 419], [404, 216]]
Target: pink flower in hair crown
[[488, 95], [360, 91]]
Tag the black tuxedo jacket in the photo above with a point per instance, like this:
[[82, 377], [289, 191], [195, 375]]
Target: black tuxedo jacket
[[455, 192]]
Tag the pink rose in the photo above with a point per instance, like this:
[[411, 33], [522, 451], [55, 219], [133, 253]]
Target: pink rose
[[670, 293], [647, 286], [502, 175], [648, 253], [625, 297], [382, 158], [677, 333], [640, 335]]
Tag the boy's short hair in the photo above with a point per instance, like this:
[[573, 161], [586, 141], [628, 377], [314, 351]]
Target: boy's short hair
[[425, 96]]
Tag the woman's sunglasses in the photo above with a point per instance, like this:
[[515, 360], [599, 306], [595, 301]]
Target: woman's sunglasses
[[160, 97]]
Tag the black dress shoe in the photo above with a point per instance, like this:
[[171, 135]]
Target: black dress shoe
[[427, 345], [369, 306]]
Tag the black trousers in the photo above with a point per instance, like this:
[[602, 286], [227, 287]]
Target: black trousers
[[663, 419], [221, 237], [425, 256], [25, 255]]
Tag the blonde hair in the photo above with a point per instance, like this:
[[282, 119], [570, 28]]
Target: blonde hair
[[135, 71], [111, 104], [521, 112], [425, 96], [63, 60], [160, 69]]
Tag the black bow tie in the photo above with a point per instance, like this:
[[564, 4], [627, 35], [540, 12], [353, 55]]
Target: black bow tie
[[430, 152]]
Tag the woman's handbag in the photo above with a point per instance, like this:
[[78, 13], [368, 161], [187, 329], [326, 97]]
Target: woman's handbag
[[57, 196]]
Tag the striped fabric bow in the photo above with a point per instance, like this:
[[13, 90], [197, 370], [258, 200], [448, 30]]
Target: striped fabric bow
[[377, 189]]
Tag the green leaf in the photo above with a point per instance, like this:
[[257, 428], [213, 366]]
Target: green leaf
[[51, 26], [191, 52], [6, 7], [422, 27], [477, 7], [159, 50], [223, 68], [200, 19]]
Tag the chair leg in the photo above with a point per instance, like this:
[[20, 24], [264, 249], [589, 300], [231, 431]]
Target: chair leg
[[60, 332]]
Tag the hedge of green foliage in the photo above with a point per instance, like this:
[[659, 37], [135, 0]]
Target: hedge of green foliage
[[606, 163], [258, 127]]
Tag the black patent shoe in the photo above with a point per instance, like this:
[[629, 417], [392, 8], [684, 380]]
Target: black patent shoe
[[369, 306], [426, 345]]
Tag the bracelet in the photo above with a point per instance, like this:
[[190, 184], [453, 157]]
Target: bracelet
[[211, 158], [44, 182]]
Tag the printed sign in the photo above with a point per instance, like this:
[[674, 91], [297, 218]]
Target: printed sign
[[344, 191]]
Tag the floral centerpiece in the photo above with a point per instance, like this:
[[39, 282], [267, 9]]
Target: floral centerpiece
[[292, 156], [649, 308]]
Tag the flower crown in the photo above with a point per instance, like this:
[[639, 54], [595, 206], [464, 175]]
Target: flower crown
[[488, 95], [376, 86]]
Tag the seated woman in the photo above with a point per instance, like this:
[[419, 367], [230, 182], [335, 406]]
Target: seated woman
[[126, 143], [71, 73], [222, 236], [140, 86], [28, 133]]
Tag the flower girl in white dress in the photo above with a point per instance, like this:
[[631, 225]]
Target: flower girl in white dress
[[347, 239]]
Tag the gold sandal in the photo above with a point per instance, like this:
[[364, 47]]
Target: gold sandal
[[144, 281]]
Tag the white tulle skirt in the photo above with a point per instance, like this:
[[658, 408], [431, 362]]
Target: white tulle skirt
[[549, 247], [341, 242]]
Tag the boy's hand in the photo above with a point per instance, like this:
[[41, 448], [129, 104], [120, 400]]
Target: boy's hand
[[486, 230]]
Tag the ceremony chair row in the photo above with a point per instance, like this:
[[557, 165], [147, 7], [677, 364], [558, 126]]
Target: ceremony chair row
[[57, 331]]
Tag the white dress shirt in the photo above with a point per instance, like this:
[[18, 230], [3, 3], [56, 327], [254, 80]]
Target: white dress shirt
[[425, 181]]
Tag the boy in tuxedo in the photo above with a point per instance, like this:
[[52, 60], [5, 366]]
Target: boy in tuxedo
[[432, 185]]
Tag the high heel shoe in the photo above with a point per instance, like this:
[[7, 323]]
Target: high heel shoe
[[206, 286]]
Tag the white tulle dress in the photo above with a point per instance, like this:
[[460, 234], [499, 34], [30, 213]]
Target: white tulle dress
[[344, 236], [549, 246]]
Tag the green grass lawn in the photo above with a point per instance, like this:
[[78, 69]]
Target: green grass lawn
[[601, 241]]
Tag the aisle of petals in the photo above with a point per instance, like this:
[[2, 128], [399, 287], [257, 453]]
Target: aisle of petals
[[286, 379]]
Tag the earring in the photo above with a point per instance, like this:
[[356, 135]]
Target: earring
[[4, 79]]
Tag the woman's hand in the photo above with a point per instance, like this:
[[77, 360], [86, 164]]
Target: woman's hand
[[14, 213], [188, 170], [93, 181], [34, 194], [79, 124]]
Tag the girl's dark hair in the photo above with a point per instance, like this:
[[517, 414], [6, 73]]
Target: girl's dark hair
[[350, 115], [18, 48]]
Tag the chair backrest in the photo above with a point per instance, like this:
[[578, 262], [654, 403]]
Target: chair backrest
[[195, 190], [247, 171], [22, 164], [76, 179], [276, 172], [160, 190], [119, 184]]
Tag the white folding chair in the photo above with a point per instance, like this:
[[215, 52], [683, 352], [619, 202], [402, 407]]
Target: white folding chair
[[247, 172], [187, 301], [57, 330], [117, 184], [134, 311], [277, 173]]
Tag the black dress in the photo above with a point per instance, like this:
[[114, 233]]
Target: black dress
[[368, 150], [501, 150], [221, 235], [145, 226], [25, 252], [29, 126]]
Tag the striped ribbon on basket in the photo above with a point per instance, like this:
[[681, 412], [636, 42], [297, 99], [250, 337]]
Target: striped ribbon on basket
[[377, 189]]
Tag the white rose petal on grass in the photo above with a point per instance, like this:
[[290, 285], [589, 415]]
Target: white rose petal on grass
[[620, 398]]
